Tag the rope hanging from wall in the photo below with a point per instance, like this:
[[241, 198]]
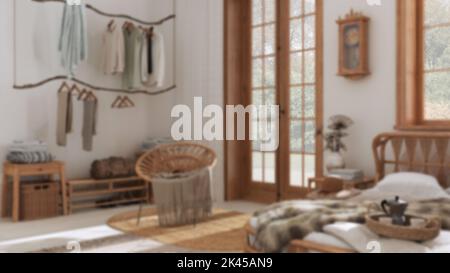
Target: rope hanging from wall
[[92, 86]]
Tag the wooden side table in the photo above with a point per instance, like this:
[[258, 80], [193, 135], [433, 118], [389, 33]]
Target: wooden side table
[[315, 193], [16, 171]]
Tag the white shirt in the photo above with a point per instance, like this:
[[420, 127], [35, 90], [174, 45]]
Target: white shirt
[[113, 50]]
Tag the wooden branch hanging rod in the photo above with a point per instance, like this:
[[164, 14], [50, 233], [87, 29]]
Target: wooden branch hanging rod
[[99, 88], [123, 16], [96, 88]]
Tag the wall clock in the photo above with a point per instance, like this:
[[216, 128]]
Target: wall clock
[[353, 46]]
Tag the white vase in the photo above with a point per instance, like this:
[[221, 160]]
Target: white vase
[[334, 160]]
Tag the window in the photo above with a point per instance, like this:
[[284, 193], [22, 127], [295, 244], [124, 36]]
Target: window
[[423, 64], [436, 33]]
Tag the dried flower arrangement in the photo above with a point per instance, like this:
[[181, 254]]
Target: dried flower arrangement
[[337, 124]]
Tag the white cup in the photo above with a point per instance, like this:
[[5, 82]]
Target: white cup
[[386, 220], [418, 223]]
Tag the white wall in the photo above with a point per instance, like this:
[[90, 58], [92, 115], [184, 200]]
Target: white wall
[[200, 45], [370, 102], [31, 114]]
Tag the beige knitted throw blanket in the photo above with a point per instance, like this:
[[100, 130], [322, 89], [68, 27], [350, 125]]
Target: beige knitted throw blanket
[[282, 222], [183, 199]]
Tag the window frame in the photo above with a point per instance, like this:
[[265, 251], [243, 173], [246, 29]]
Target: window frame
[[410, 69]]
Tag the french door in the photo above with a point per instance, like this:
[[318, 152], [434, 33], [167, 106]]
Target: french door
[[286, 70]]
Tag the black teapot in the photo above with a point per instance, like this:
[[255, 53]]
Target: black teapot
[[395, 209]]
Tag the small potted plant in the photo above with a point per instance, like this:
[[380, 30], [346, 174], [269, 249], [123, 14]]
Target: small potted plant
[[333, 141]]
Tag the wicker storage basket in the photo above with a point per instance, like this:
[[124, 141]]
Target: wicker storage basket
[[431, 230], [39, 201]]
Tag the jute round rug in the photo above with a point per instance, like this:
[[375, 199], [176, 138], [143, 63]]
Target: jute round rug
[[223, 231]]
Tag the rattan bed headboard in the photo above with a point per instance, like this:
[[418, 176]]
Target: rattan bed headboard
[[422, 152]]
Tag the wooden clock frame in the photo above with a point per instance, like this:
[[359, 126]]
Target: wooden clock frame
[[360, 23]]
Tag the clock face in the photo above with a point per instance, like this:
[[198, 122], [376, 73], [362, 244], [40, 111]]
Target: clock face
[[351, 36]]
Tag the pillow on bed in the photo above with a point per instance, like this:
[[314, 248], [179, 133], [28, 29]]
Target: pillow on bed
[[400, 181], [409, 186], [448, 190]]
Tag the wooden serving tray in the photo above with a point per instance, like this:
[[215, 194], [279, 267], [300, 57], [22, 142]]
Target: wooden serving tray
[[430, 231]]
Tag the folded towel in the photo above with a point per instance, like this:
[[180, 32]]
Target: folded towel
[[28, 146], [29, 157], [153, 142]]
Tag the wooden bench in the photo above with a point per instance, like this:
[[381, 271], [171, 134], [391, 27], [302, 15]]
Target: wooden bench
[[91, 193]]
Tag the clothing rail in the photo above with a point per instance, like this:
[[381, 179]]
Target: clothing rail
[[92, 86], [123, 16]]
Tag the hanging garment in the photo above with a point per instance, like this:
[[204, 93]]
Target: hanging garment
[[73, 37], [89, 123], [113, 50], [158, 60], [149, 52], [144, 58], [132, 75], [64, 117]]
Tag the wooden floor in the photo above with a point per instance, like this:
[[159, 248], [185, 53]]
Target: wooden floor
[[24, 236]]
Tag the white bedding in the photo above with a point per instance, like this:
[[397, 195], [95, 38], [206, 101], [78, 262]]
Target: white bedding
[[410, 187], [359, 238], [362, 240]]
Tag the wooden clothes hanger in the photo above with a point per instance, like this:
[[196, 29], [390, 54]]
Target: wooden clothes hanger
[[76, 89], [150, 32], [87, 95], [91, 96], [116, 103], [128, 26], [63, 87], [123, 102], [110, 24], [127, 103], [83, 94]]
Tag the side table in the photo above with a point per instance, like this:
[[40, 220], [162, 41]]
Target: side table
[[316, 193], [16, 171]]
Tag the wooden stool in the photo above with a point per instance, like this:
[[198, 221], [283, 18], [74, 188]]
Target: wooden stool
[[16, 171]]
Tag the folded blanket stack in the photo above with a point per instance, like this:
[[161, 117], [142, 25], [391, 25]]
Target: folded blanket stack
[[151, 143], [31, 152]]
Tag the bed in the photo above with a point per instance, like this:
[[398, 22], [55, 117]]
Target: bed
[[395, 153]]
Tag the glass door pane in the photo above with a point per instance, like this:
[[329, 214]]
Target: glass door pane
[[302, 116], [263, 83]]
